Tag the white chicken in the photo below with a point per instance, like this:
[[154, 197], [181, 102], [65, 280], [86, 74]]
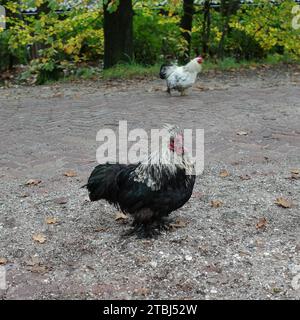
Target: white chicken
[[181, 78]]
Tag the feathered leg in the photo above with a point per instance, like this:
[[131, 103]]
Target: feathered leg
[[163, 224], [183, 92], [144, 225], [169, 91], [142, 231]]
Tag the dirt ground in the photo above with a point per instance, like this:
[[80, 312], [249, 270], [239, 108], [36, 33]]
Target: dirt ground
[[248, 248]]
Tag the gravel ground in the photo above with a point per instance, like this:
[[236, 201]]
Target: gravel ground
[[247, 248]]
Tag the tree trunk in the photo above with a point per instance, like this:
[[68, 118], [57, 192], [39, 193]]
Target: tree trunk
[[206, 27], [228, 7], [186, 25], [118, 34], [34, 49]]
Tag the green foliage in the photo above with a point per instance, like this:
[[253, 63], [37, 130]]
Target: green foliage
[[54, 45], [56, 41], [156, 35], [270, 26]]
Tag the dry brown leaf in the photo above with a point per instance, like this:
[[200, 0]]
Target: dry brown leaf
[[24, 195], [242, 133], [178, 224], [3, 261], [120, 216], [61, 200], [212, 268], [51, 220], [216, 203], [39, 269], [261, 224], [201, 87], [141, 259], [100, 229], [245, 177], [57, 95], [224, 174], [33, 182], [276, 290], [295, 171], [142, 291], [282, 202], [70, 173], [295, 176], [40, 238]]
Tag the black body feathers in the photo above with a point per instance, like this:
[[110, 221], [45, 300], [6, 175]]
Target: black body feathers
[[117, 184]]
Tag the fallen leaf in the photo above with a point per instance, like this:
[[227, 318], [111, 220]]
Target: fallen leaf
[[216, 203], [202, 88], [24, 195], [242, 133], [224, 173], [295, 171], [212, 268], [40, 238], [51, 220], [142, 291], [101, 229], [57, 95], [245, 177], [261, 224], [178, 224], [294, 176], [276, 290], [282, 202], [39, 269], [70, 173], [90, 267], [121, 216], [32, 182], [141, 260], [61, 200], [259, 243], [3, 261]]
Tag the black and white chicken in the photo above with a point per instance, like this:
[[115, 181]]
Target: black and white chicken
[[149, 190], [181, 78]]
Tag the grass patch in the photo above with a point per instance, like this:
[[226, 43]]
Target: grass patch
[[136, 71], [130, 71], [231, 63]]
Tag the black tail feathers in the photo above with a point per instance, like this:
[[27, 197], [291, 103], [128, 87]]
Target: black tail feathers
[[102, 183]]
